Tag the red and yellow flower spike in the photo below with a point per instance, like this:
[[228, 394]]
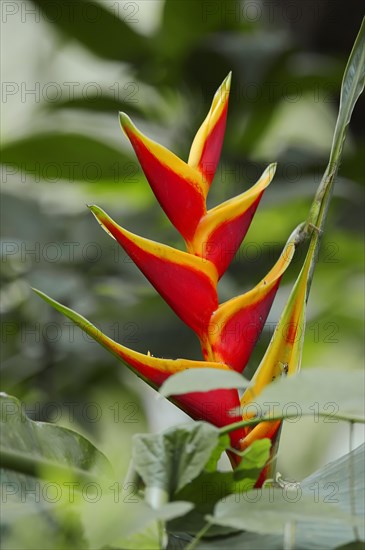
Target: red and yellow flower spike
[[188, 280]]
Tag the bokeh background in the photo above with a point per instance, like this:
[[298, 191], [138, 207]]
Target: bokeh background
[[67, 69]]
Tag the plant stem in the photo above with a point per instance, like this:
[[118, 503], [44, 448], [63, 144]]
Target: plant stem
[[289, 536], [352, 481], [254, 421], [199, 535]]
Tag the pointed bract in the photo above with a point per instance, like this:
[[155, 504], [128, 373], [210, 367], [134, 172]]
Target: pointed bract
[[178, 187], [207, 145], [186, 282], [237, 324], [213, 406], [222, 229]]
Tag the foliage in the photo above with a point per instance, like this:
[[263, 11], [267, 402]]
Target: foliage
[[180, 487]]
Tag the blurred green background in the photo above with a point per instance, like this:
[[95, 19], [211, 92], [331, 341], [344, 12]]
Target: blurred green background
[[67, 69]]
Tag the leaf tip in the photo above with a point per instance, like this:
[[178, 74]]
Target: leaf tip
[[38, 292]]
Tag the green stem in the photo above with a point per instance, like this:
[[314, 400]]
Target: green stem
[[162, 540], [289, 535], [257, 420], [199, 536], [352, 481]]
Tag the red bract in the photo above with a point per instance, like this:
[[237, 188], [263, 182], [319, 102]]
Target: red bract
[[188, 280]]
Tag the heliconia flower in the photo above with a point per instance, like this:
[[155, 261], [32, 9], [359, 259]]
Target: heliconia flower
[[227, 332], [188, 280], [213, 406]]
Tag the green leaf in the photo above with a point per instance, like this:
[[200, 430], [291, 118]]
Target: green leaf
[[103, 31], [168, 461], [117, 519], [166, 512], [256, 455], [268, 511], [352, 85], [209, 487], [329, 486], [68, 463], [330, 393], [201, 380], [332, 484], [37, 448], [184, 24], [334, 395], [70, 157], [75, 468], [223, 444]]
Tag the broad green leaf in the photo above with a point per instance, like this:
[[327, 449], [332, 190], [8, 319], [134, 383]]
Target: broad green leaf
[[329, 486], [331, 393], [209, 487], [184, 23], [70, 157], [334, 395], [201, 380], [103, 31], [223, 444], [36, 448], [117, 518], [255, 456], [165, 512], [340, 482], [79, 488], [149, 539], [70, 467], [268, 511], [168, 461]]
